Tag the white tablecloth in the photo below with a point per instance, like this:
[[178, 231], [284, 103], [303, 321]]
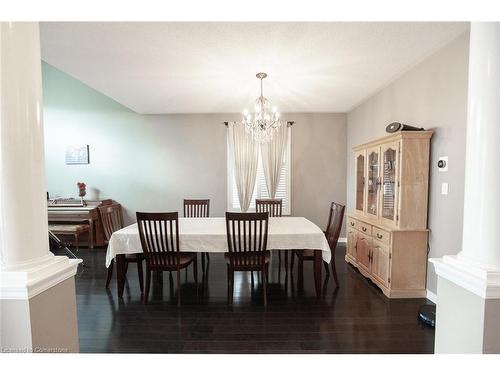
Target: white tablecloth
[[209, 235]]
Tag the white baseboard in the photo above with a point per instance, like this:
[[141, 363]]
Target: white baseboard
[[342, 240], [431, 296]]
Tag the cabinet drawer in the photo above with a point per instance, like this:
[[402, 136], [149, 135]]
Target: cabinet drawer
[[381, 235], [364, 228], [351, 223]]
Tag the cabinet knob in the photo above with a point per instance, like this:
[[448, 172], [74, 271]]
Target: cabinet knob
[[379, 236], [364, 229], [352, 224]]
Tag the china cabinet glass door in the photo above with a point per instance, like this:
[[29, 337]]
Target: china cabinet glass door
[[360, 181], [373, 181], [389, 180]]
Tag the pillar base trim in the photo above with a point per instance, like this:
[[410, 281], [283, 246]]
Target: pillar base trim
[[482, 282], [27, 283], [431, 296], [32, 263]]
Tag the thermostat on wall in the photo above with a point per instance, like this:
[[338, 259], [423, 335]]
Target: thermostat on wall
[[443, 164]]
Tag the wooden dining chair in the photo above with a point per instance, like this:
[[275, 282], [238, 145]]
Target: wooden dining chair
[[273, 206], [159, 235], [275, 209], [247, 246], [198, 208], [112, 220], [332, 234]]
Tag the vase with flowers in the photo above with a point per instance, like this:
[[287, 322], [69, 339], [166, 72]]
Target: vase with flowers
[[82, 189]]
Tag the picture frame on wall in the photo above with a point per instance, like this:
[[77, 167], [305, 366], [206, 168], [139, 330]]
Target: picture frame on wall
[[77, 154]]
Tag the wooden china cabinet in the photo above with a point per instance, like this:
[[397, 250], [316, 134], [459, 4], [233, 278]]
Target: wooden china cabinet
[[387, 232]]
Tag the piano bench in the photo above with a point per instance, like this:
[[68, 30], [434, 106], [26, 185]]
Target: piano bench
[[70, 229]]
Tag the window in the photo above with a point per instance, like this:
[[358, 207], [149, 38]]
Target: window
[[260, 190]]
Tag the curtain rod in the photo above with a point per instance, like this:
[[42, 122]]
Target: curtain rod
[[288, 123]]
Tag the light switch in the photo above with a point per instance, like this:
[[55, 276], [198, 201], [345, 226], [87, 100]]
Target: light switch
[[444, 188]]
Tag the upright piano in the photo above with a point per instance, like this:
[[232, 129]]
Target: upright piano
[[69, 211]]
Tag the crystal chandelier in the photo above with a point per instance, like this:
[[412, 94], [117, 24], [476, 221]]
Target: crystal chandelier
[[264, 122]]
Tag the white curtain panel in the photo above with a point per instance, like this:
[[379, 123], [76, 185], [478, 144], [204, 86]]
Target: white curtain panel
[[246, 158], [273, 155]]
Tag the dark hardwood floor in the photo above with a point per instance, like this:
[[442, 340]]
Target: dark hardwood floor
[[356, 318]]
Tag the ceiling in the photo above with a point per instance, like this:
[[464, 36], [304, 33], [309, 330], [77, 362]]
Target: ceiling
[[194, 67]]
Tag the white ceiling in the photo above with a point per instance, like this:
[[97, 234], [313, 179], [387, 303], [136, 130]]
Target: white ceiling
[[172, 67]]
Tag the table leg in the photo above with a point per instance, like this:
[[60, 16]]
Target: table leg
[[91, 234], [317, 272], [120, 274]]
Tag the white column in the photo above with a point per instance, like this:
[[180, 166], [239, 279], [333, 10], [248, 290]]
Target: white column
[[468, 293], [23, 206], [481, 231], [27, 268]]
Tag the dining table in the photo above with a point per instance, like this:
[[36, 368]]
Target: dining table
[[208, 234]]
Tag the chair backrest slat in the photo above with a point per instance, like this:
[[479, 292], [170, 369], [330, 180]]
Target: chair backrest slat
[[334, 226], [273, 206], [111, 218], [159, 235], [247, 238], [196, 207]]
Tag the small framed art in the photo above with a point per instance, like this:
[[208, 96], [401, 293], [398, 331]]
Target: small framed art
[[77, 154]]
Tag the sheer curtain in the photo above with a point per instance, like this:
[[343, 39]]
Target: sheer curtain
[[273, 153], [246, 158]]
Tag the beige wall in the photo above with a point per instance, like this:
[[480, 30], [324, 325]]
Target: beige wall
[[432, 95], [466, 322], [318, 164], [45, 323], [54, 326], [460, 320], [152, 162], [491, 339]]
